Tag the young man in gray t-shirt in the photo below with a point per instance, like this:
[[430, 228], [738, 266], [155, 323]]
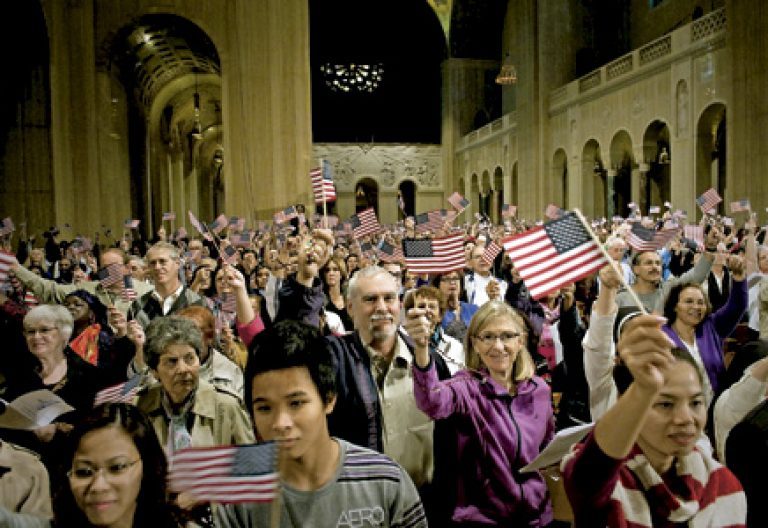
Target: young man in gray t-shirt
[[325, 482]]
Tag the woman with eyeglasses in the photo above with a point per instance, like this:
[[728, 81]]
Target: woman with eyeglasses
[[115, 473], [51, 364], [502, 415]]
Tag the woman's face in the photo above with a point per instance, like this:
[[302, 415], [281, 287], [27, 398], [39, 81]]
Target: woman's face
[[498, 344], [79, 309], [332, 274], [261, 278], [177, 371], [221, 283], [105, 477], [43, 338], [691, 307], [677, 417]]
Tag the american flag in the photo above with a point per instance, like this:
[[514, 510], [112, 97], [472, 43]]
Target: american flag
[[632, 205], [236, 223], [229, 254], [226, 474], [365, 223], [169, 216], [741, 205], [131, 223], [30, 299], [436, 255], [552, 211], [228, 302], [111, 275], [490, 252], [695, 233], [219, 224], [643, 239], [242, 239], [389, 253], [286, 215], [550, 256], [458, 201], [6, 261], [201, 228], [508, 211], [6, 226], [654, 209], [433, 220], [708, 200], [180, 233], [123, 392], [129, 292], [322, 183]]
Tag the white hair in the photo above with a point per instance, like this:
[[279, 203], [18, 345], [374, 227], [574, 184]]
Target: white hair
[[54, 314]]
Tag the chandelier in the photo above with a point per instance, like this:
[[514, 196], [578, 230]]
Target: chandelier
[[508, 73], [348, 77]]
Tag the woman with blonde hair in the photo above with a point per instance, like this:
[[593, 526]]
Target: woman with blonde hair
[[502, 415]]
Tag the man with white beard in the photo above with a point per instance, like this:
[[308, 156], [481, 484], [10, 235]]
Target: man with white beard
[[375, 407]]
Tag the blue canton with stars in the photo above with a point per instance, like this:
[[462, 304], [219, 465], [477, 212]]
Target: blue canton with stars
[[417, 248], [567, 233], [255, 459]]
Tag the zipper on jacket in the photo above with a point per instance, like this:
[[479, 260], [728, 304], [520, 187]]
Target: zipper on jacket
[[519, 447]]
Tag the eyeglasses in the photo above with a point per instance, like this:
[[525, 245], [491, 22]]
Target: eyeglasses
[[111, 471], [29, 332], [489, 338]]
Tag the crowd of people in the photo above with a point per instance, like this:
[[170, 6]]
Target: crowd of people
[[396, 398]]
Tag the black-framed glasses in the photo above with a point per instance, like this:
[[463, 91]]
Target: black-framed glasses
[[489, 338], [111, 471]]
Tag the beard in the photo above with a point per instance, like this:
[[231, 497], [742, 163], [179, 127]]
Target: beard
[[376, 331]]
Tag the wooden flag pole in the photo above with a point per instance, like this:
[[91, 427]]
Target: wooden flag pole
[[611, 262]]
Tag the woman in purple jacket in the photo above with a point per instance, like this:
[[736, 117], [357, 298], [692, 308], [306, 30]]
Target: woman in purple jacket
[[502, 414], [693, 327]]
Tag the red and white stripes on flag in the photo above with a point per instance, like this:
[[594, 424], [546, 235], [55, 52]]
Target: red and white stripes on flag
[[436, 255], [365, 223], [558, 253], [708, 200], [741, 205], [322, 183], [389, 253], [201, 228], [169, 216], [227, 474], [286, 215], [490, 252], [30, 299], [111, 274], [643, 239], [508, 211], [6, 261], [131, 223], [695, 233], [121, 393], [219, 224], [128, 294], [433, 220]]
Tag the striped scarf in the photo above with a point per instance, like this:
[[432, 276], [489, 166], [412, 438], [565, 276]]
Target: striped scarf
[[705, 494]]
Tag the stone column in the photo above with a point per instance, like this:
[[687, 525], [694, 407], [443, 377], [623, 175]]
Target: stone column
[[610, 190]]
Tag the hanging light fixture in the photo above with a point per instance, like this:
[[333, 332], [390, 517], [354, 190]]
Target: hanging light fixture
[[508, 73], [197, 128]]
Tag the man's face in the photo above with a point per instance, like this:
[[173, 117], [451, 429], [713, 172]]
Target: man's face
[[195, 247], [163, 267], [352, 262], [375, 308], [648, 267], [177, 371], [449, 284], [137, 269], [762, 260], [65, 264], [287, 408], [480, 266], [616, 252]]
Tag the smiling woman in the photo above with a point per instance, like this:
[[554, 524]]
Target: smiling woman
[[115, 473]]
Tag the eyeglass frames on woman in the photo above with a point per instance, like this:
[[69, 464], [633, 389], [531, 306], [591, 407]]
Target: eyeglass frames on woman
[[111, 471], [489, 338]]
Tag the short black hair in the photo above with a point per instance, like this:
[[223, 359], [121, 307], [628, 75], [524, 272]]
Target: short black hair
[[290, 344]]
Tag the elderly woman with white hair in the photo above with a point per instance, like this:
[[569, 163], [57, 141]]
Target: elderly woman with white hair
[[53, 366]]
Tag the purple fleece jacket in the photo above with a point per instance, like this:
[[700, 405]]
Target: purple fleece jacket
[[496, 434]]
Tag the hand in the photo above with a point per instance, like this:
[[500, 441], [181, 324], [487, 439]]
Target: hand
[[234, 278], [646, 351], [493, 290], [136, 334], [118, 321], [609, 278], [568, 292], [737, 267], [45, 433], [419, 328]]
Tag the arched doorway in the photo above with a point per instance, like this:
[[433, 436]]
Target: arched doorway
[[711, 152], [367, 195], [407, 190], [656, 187], [620, 177], [593, 176]]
